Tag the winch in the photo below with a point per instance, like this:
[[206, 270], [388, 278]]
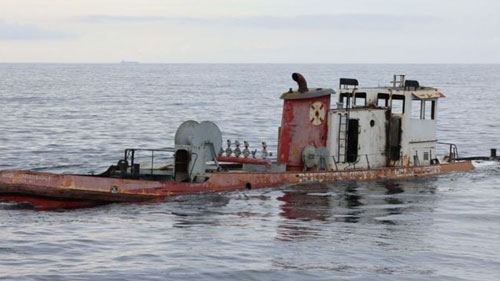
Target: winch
[[195, 145]]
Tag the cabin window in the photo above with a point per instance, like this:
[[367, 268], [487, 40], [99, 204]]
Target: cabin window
[[398, 104], [360, 99], [347, 99], [416, 109], [429, 108], [344, 98], [383, 100]]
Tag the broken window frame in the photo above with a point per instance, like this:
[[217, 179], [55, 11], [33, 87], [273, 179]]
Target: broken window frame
[[429, 114], [398, 98], [359, 97], [417, 110], [343, 100], [383, 97]]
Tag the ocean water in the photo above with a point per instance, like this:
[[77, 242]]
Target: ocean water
[[78, 118]]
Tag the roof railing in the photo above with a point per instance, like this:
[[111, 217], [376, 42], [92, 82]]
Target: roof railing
[[398, 80], [346, 82]]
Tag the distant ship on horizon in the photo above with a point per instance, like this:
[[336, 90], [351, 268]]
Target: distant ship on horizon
[[129, 62]]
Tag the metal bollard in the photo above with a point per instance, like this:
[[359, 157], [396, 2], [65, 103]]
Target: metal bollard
[[229, 151], [237, 150]]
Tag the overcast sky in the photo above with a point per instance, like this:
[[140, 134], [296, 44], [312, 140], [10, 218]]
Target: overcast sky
[[281, 31]]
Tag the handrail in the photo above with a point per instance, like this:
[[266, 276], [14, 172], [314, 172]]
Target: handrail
[[453, 150], [131, 152], [166, 149]]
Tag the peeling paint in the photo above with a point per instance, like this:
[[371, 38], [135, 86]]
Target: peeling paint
[[100, 189]]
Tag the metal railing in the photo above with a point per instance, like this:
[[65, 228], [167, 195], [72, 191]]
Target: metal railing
[[453, 151], [130, 153]]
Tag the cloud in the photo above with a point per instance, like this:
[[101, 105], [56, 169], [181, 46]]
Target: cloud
[[114, 18], [341, 21], [9, 31]]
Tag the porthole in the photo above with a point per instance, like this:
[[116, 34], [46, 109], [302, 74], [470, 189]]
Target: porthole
[[372, 123]]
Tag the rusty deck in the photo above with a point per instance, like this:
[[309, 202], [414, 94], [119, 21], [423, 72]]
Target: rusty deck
[[49, 191]]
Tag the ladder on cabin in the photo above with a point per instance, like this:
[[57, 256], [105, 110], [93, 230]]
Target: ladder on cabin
[[342, 138]]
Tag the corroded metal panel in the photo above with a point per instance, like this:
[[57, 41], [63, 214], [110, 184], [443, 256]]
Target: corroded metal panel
[[304, 122], [428, 93], [81, 191]]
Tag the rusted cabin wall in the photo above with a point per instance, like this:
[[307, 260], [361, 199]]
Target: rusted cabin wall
[[421, 130], [299, 129], [333, 132], [418, 137], [371, 139]]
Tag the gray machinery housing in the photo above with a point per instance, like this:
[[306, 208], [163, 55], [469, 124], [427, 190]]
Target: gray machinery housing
[[195, 145], [315, 157]]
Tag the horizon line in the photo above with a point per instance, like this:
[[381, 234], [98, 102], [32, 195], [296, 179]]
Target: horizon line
[[139, 62]]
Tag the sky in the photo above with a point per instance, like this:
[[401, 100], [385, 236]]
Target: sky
[[252, 31]]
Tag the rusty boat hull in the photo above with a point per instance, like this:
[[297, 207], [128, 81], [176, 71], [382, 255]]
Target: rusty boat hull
[[52, 191]]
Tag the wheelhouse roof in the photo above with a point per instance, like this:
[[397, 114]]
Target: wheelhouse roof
[[420, 93]]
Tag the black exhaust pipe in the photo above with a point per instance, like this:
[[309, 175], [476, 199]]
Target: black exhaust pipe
[[301, 82]]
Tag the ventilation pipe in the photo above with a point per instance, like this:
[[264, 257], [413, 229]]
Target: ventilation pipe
[[301, 82]]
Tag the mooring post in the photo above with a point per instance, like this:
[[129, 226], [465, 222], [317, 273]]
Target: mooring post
[[493, 153]]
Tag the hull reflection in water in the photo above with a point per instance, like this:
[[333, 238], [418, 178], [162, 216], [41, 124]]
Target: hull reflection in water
[[379, 203]]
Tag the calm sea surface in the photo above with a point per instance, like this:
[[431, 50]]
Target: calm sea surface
[[79, 118]]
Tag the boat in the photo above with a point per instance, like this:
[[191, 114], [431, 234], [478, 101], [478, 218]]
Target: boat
[[129, 62], [368, 133]]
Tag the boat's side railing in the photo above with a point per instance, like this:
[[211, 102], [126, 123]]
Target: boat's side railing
[[453, 151], [362, 157], [130, 154]]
